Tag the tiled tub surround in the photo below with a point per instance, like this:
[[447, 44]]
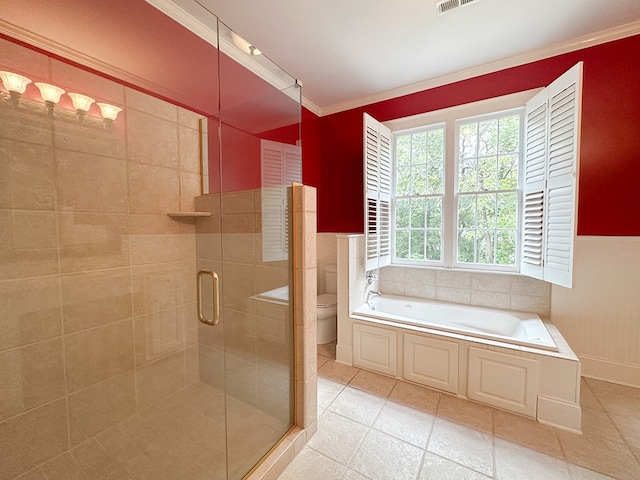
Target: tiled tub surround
[[541, 384], [500, 291], [99, 352]]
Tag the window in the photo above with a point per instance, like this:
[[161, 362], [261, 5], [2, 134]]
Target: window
[[488, 162], [490, 185], [419, 194], [483, 197]]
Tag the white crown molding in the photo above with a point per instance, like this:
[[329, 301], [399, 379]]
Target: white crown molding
[[180, 14], [579, 43], [47, 45], [309, 105], [184, 12], [187, 19]]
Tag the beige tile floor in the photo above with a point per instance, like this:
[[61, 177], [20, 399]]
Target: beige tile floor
[[375, 427]]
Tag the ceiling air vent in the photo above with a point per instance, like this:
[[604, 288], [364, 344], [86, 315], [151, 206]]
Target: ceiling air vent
[[445, 6]]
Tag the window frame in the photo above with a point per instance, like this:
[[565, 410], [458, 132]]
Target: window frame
[[408, 261], [520, 111], [450, 118]]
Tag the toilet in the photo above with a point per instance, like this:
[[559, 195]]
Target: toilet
[[327, 306]]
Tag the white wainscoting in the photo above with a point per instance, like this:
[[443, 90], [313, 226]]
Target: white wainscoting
[[600, 315]]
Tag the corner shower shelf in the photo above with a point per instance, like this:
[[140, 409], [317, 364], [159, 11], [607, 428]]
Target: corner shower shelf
[[188, 214]]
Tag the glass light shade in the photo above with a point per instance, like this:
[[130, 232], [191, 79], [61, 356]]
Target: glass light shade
[[81, 102], [244, 45], [14, 82], [49, 93], [109, 112]]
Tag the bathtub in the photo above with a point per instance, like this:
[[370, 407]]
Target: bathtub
[[504, 326], [509, 360]]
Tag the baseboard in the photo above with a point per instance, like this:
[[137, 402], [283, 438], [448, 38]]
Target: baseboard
[[560, 414], [614, 372], [344, 354]]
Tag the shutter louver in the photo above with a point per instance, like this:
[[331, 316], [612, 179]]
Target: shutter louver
[[372, 232], [536, 128], [535, 163], [281, 166], [550, 186], [377, 185], [292, 174], [533, 225]]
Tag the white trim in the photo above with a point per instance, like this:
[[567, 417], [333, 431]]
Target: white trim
[[468, 110], [188, 19], [312, 107], [559, 413], [603, 238], [608, 371], [579, 43], [344, 354]]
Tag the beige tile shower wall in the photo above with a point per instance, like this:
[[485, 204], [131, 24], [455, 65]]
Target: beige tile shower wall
[[305, 241], [97, 289], [254, 338], [494, 290], [600, 315]]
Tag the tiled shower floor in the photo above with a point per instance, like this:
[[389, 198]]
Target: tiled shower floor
[[374, 427], [179, 438]]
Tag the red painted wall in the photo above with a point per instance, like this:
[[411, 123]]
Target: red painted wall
[[137, 45], [311, 149], [610, 145], [125, 34], [142, 46]]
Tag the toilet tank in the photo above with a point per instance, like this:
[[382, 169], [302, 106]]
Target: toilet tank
[[331, 278]]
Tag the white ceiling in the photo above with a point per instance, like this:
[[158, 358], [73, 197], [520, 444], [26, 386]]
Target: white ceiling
[[349, 53]]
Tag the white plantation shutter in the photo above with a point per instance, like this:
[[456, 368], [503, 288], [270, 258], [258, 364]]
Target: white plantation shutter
[[281, 166], [535, 169], [562, 175], [551, 197], [377, 186], [292, 174]]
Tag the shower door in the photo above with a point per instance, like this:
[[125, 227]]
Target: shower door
[[257, 158]]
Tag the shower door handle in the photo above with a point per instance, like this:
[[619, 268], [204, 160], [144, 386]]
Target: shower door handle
[[215, 294]]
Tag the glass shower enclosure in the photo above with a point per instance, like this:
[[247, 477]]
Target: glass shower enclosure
[[145, 263]]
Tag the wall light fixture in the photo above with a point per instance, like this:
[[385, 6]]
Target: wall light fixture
[[15, 84], [81, 103], [244, 45], [109, 112], [50, 94]]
